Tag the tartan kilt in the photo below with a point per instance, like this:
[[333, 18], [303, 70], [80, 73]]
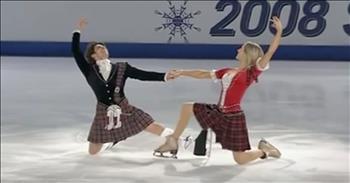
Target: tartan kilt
[[133, 120], [230, 128]]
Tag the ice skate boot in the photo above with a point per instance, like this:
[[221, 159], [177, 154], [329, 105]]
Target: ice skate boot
[[200, 144], [268, 149], [170, 145]]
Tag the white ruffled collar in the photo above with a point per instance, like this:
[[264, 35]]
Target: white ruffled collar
[[105, 67], [103, 62]]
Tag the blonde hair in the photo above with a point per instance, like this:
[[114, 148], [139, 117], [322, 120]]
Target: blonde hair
[[253, 52]]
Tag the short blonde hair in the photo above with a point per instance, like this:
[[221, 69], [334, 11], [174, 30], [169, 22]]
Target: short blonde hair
[[252, 52]]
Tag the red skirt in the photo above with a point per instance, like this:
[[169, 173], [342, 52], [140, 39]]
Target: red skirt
[[133, 120], [230, 128]]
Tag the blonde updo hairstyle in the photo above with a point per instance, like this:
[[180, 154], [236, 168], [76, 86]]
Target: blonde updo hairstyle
[[252, 53]]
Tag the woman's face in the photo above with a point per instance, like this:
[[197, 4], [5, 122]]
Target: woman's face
[[240, 53]]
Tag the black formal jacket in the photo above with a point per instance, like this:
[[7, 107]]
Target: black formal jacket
[[104, 89]]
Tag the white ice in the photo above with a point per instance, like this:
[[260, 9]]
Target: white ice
[[47, 108]]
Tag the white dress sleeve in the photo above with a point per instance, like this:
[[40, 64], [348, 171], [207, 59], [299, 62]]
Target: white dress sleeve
[[262, 69]]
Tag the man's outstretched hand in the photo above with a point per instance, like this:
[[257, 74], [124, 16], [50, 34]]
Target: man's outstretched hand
[[82, 24]]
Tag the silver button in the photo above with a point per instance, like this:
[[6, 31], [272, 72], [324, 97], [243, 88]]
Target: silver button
[[108, 91], [106, 85], [109, 98], [117, 89]]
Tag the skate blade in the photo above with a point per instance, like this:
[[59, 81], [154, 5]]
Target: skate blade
[[161, 155], [109, 147]]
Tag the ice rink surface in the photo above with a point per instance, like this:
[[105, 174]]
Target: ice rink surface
[[47, 108]]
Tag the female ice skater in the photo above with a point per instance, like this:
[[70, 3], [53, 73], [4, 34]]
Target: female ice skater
[[227, 119], [115, 119]]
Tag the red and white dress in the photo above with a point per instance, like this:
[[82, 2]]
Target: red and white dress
[[226, 118]]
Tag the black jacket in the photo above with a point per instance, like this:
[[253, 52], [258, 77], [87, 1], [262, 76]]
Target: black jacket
[[104, 89]]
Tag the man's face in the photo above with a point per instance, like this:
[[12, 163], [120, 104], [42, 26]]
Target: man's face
[[101, 52]]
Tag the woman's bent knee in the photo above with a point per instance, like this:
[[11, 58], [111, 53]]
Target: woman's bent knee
[[239, 158]]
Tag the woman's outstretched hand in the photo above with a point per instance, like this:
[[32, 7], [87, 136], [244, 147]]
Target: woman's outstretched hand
[[173, 74], [276, 23]]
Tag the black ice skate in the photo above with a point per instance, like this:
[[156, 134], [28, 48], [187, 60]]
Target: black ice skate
[[200, 144]]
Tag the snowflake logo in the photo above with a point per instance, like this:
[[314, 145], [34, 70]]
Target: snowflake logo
[[177, 21]]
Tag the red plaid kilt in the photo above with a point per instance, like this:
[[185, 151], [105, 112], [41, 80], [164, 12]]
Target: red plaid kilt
[[230, 128], [133, 120]]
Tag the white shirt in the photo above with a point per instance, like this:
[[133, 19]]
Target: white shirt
[[105, 68]]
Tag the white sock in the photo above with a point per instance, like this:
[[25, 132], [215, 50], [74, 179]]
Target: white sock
[[166, 132]]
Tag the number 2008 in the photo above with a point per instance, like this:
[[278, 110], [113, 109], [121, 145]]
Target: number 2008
[[309, 16]]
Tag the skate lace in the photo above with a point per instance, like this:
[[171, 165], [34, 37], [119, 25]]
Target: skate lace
[[187, 142]]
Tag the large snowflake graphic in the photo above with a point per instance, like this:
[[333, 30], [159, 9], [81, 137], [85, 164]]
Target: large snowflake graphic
[[177, 21]]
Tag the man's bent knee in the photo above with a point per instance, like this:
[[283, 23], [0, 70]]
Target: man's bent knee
[[94, 148]]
